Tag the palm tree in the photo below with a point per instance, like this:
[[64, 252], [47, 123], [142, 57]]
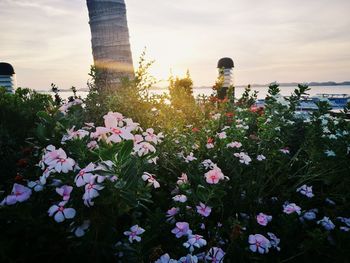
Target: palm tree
[[110, 39]]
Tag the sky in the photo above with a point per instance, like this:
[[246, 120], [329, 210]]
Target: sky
[[48, 41]]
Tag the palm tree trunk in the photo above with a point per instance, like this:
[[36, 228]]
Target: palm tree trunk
[[110, 39]]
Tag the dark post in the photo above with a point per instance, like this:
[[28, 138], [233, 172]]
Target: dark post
[[225, 66]]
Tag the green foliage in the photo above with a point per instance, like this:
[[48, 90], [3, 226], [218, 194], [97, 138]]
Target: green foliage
[[311, 150], [18, 118]]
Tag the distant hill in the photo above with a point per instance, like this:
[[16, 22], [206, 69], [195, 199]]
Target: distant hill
[[311, 84]]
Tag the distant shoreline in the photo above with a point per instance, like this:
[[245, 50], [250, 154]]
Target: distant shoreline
[[292, 84]]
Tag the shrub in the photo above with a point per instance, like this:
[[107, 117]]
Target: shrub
[[245, 185], [17, 122]]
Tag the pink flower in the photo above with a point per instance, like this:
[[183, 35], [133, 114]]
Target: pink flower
[[65, 107], [144, 148], [92, 145], [210, 145], [203, 210], [138, 138], [46, 175], [214, 176], [183, 179], [291, 208], [134, 233], [64, 191], [133, 126], [181, 229], [19, 193], [234, 145], [259, 243], [84, 175], [61, 213], [72, 134], [195, 241], [263, 219], [151, 137], [100, 133], [59, 161], [89, 125], [50, 154], [118, 134], [150, 178], [113, 120]]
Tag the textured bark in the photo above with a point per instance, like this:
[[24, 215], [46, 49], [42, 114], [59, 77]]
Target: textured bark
[[110, 39]]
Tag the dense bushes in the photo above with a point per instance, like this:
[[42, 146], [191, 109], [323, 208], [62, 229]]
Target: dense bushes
[[18, 120], [230, 183]]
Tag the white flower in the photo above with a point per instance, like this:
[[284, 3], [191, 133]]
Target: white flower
[[189, 158], [61, 213], [37, 186], [291, 208], [285, 150], [243, 158], [91, 191], [183, 179], [80, 230], [151, 137], [92, 145], [208, 164], [144, 148], [180, 198], [216, 116], [326, 223], [259, 243], [19, 193], [134, 233], [72, 134], [195, 241], [153, 160], [59, 161], [306, 190], [64, 191], [150, 178], [166, 259], [84, 175], [260, 157], [330, 153], [222, 135]]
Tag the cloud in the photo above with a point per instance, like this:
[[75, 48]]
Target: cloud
[[269, 40], [42, 6]]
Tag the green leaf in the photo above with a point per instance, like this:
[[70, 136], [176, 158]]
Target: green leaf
[[43, 115], [202, 193]]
